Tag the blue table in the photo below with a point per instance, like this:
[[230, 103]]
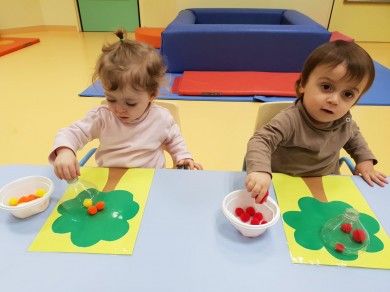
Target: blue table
[[184, 244]]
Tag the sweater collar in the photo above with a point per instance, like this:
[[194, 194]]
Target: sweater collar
[[327, 127]]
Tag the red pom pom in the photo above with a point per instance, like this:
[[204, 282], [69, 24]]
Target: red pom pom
[[263, 222], [339, 247], [264, 199], [255, 221], [239, 211], [358, 235], [245, 217], [100, 205], [346, 227], [92, 210], [251, 211], [258, 215]]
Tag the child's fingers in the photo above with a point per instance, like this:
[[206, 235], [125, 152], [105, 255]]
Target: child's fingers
[[69, 173], [261, 197], [256, 193], [383, 177], [198, 166], [367, 178], [57, 173], [77, 166], [264, 199], [378, 180], [249, 185], [190, 163]]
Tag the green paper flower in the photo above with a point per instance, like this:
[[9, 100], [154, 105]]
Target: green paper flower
[[109, 224], [314, 214]]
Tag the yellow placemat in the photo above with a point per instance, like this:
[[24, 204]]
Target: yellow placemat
[[306, 205], [112, 230]]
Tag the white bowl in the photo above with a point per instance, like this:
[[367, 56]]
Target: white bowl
[[243, 199], [23, 187]]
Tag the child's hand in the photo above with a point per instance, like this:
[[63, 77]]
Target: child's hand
[[258, 184], [366, 170], [190, 163], [66, 165]]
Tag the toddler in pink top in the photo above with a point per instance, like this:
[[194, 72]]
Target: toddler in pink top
[[132, 130]]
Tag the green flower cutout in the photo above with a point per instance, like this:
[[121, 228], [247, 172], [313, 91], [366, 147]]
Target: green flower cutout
[[109, 224], [314, 214]]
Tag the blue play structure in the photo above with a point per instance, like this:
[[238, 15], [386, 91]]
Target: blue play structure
[[235, 39]]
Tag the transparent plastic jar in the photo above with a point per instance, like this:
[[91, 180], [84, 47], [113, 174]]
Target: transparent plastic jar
[[78, 186], [80, 190], [345, 233]]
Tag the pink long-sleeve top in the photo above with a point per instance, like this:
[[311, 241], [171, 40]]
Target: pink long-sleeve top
[[137, 144]]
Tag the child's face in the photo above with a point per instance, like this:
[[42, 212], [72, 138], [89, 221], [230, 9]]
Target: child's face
[[126, 104], [328, 95]]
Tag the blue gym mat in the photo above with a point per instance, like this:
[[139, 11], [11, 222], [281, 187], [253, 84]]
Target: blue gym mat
[[379, 93]]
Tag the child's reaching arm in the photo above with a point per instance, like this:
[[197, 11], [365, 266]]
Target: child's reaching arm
[[365, 160], [71, 139], [258, 159], [176, 147]]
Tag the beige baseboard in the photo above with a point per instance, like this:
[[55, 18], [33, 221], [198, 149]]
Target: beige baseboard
[[38, 28]]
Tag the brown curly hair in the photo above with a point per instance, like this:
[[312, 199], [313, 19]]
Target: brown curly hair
[[129, 63]]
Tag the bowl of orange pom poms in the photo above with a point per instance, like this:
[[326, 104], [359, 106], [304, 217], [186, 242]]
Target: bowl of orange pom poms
[[26, 196], [249, 218]]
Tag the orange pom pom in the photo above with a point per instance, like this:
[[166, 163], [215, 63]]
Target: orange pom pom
[[92, 210], [31, 197], [22, 199], [100, 205]]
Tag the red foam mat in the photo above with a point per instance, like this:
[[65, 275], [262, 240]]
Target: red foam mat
[[213, 83], [175, 85], [9, 45]]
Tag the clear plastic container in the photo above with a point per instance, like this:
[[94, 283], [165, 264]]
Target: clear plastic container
[[81, 191], [345, 233], [78, 186]]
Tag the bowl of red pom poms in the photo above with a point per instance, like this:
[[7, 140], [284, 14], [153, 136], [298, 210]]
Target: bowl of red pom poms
[[26, 196], [248, 217]]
